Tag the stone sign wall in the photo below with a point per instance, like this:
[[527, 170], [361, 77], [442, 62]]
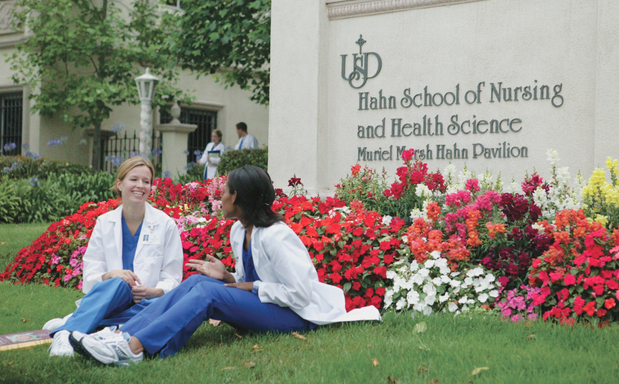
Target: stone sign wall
[[487, 84]]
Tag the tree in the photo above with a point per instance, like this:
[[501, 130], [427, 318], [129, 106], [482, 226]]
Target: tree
[[82, 57], [230, 36]]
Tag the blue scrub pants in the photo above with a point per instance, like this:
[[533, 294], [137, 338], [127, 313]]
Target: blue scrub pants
[[110, 302], [165, 326]]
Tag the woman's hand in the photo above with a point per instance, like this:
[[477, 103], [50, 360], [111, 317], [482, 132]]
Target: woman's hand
[[213, 267], [247, 286], [141, 292], [129, 277]]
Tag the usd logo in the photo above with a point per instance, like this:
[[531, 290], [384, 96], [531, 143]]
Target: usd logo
[[363, 68]]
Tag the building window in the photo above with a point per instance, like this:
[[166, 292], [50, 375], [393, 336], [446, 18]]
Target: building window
[[11, 114], [198, 139]]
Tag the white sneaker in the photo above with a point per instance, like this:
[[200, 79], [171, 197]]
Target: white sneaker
[[56, 323], [76, 337], [111, 348], [61, 345]]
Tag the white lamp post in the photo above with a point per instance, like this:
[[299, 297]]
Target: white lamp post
[[146, 89]]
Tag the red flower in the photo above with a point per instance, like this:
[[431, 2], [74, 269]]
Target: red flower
[[590, 308], [569, 279], [609, 303]]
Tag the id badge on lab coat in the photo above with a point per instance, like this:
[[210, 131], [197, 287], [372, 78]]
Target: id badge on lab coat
[[150, 238]]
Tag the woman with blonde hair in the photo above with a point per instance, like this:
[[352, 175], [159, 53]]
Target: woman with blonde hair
[[134, 255]]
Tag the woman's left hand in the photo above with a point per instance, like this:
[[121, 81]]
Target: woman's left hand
[[141, 292], [247, 286]]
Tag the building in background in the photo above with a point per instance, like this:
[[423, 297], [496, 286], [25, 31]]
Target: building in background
[[214, 107]]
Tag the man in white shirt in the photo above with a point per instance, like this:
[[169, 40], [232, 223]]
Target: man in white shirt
[[246, 140]]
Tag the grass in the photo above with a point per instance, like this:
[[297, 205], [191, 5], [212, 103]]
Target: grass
[[449, 350], [13, 237]]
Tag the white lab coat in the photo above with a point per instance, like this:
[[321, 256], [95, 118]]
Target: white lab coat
[[211, 170], [158, 258], [249, 142], [288, 277]]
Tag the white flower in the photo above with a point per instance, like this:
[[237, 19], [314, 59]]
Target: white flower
[[430, 299], [553, 157], [494, 293], [388, 298], [391, 274], [538, 227], [387, 220], [429, 289], [422, 190], [400, 304], [444, 297], [429, 263], [405, 239], [414, 266], [427, 311], [445, 279], [424, 272], [437, 281], [482, 298], [412, 297], [417, 214], [408, 284], [436, 255], [475, 272], [455, 283], [416, 279], [452, 307]]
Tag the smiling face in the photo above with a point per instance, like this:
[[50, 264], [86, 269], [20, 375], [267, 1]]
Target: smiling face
[[231, 211], [135, 186]]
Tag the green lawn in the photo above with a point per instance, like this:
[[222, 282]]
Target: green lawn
[[448, 350], [14, 237]]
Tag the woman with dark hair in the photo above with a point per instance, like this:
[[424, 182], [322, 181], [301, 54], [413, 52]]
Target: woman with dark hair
[[275, 286]]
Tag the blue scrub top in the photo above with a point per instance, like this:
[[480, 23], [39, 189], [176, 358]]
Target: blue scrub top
[[248, 265], [130, 244]]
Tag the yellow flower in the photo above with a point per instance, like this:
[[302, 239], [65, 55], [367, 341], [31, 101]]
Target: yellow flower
[[601, 219]]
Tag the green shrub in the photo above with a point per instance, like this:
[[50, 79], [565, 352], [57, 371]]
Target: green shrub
[[195, 172], [232, 160], [9, 203], [33, 200], [20, 167]]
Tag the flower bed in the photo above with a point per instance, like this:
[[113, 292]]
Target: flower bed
[[547, 248]]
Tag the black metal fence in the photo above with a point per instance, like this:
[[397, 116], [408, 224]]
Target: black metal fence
[[11, 114], [120, 147], [198, 139]]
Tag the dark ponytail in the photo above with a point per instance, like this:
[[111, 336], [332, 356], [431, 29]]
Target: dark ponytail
[[255, 195]]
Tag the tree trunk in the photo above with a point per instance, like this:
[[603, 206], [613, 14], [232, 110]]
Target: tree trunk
[[96, 148]]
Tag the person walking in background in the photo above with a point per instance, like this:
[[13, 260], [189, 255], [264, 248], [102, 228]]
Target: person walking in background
[[246, 140], [212, 155]]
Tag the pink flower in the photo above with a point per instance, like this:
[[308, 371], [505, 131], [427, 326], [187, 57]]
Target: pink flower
[[54, 260], [472, 185]]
